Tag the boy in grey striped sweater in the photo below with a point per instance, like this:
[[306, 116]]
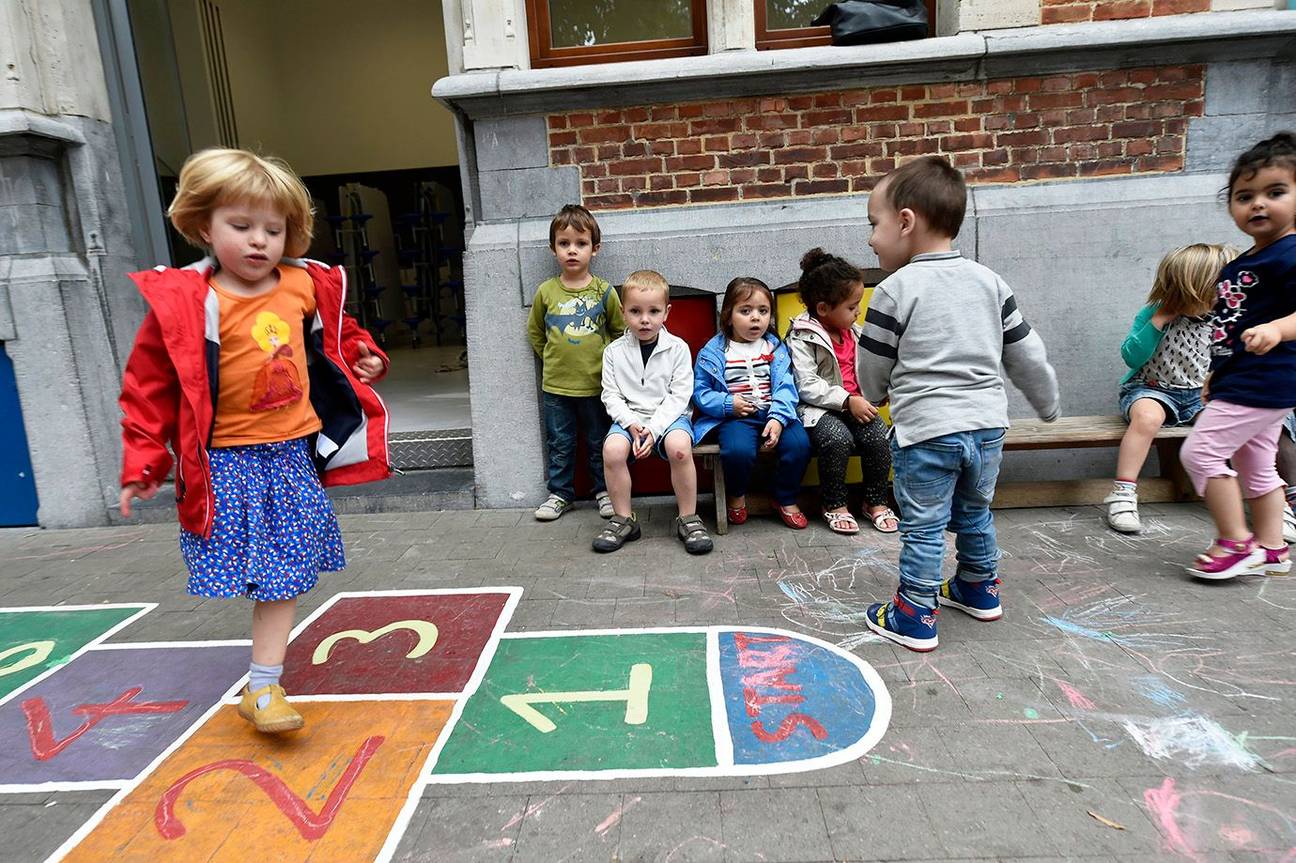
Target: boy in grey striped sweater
[[935, 336]]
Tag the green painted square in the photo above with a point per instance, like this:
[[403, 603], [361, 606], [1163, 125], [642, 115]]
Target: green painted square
[[32, 642], [492, 738]]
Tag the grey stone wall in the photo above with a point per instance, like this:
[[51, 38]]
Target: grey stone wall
[[60, 232]]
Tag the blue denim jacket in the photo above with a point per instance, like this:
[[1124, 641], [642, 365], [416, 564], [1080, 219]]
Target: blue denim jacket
[[712, 398]]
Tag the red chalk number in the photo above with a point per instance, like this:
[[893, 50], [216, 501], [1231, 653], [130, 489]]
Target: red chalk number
[[309, 823]]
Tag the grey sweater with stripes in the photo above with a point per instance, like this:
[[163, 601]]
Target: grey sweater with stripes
[[936, 335]]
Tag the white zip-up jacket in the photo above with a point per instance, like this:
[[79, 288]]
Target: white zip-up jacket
[[654, 393]]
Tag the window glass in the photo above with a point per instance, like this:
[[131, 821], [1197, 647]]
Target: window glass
[[791, 14], [586, 23]]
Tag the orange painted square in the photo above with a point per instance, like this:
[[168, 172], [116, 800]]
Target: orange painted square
[[227, 816]]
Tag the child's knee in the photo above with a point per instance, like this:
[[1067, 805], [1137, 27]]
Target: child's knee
[[616, 449], [678, 446], [1146, 416]]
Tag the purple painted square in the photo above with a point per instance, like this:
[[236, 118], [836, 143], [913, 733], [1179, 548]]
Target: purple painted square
[[135, 702]]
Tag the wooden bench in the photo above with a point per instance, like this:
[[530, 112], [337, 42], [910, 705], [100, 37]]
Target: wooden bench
[[1088, 433], [1032, 434]]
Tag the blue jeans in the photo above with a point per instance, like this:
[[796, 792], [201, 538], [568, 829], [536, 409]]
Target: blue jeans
[[739, 441], [564, 417], [946, 481]]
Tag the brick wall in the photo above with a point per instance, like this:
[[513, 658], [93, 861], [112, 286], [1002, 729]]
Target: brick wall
[[997, 131], [1062, 11]]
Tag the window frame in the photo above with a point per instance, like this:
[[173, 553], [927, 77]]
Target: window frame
[[544, 55], [808, 37]]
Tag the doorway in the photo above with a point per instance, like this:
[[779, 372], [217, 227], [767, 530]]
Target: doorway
[[341, 91]]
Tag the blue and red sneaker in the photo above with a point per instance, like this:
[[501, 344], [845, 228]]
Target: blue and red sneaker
[[898, 621], [977, 598]]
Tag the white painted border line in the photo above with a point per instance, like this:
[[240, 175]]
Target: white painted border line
[[144, 608], [89, 785], [719, 712], [386, 696], [484, 659], [149, 645], [85, 829], [878, 727], [146, 605]]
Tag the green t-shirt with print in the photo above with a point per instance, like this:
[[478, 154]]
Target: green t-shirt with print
[[569, 330]]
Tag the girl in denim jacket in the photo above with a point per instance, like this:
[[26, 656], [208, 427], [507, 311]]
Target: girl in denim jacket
[[744, 391]]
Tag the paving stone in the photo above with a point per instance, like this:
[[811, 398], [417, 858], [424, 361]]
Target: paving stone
[[784, 824], [992, 821], [1066, 809], [570, 827], [665, 826], [33, 831], [470, 829], [874, 823]]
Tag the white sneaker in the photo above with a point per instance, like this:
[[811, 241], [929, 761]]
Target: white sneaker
[[552, 509], [1122, 511], [604, 501], [1289, 524]]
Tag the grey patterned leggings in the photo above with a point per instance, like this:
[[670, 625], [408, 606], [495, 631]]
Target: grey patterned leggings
[[836, 437]]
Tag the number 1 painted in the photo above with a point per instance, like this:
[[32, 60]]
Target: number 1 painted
[[635, 696]]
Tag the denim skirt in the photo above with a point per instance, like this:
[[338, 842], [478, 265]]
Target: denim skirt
[[274, 530]]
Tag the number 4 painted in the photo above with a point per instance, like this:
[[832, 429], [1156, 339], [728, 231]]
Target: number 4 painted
[[635, 696]]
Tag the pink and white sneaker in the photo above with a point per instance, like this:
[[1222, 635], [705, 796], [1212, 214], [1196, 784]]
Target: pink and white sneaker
[[1241, 557]]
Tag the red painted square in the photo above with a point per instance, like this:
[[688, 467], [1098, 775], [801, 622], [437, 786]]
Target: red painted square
[[349, 665]]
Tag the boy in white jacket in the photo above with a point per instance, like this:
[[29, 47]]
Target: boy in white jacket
[[647, 383]]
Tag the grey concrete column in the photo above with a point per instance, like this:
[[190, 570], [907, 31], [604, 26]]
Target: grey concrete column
[[65, 249]]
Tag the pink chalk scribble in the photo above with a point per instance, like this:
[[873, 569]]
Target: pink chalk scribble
[[1163, 803], [1077, 698]]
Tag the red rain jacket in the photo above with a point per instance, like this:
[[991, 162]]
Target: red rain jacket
[[169, 390]]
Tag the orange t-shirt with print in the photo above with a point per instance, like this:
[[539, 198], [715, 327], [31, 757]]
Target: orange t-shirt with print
[[264, 388]]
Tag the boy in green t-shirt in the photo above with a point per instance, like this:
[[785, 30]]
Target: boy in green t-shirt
[[573, 317]]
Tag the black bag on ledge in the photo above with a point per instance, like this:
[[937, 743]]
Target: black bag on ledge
[[867, 22]]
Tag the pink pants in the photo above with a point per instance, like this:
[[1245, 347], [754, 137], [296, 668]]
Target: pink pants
[[1247, 436]]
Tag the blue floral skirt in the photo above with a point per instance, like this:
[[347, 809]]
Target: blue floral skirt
[[274, 530]]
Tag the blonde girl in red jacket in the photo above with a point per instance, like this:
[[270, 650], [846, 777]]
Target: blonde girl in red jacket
[[220, 372]]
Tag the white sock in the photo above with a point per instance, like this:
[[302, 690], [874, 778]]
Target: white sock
[[260, 676]]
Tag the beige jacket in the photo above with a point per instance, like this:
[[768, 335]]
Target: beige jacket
[[814, 365]]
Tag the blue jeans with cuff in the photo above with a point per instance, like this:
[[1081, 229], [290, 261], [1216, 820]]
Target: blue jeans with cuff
[[946, 482]]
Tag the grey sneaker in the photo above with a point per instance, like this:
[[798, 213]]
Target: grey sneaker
[[604, 501], [552, 509], [620, 529], [694, 536], [1289, 524]]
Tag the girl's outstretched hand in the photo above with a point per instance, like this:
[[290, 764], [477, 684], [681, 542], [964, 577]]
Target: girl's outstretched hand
[[141, 490], [369, 366]]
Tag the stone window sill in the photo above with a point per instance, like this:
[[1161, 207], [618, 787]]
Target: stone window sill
[[1042, 49]]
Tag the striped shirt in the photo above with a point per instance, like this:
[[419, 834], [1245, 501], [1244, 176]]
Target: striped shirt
[[935, 336], [747, 371]]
